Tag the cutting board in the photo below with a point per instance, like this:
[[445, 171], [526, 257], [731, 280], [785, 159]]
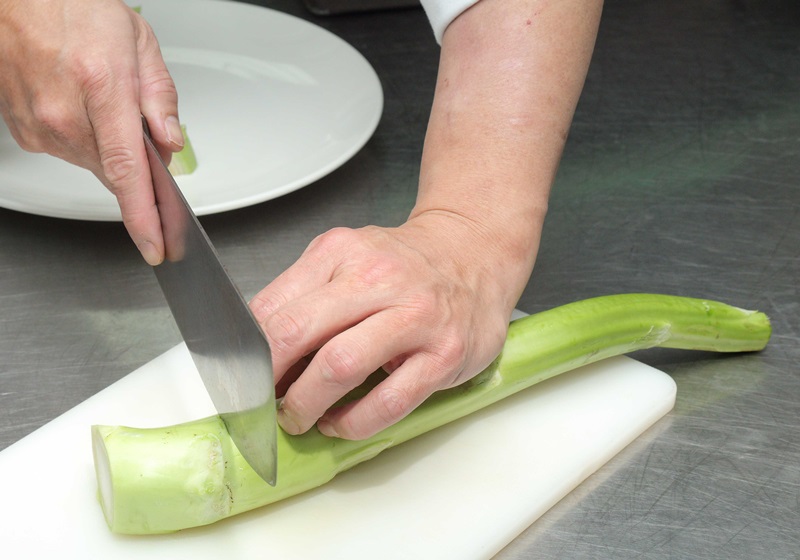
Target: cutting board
[[463, 491]]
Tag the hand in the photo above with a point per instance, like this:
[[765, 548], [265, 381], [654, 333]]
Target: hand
[[75, 78], [411, 299], [430, 300]]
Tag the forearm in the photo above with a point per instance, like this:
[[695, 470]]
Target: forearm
[[510, 75], [430, 300]]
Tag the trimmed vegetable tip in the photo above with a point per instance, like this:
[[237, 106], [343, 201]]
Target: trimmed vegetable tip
[[185, 161]]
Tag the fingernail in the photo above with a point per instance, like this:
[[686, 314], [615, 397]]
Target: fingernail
[[287, 422], [327, 428], [150, 253], [174, 132]]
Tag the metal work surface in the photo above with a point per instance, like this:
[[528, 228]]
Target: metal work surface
[[681, 175]]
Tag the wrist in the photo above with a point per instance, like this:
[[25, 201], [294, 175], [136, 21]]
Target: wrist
[[492, 258]]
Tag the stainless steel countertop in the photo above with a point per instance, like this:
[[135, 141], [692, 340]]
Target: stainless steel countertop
[[681, 175]]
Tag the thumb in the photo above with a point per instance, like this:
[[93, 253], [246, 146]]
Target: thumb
[[158, 96]]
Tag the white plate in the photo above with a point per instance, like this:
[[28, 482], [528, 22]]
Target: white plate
[[271, 102]]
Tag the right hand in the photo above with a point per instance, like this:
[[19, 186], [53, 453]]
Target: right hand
[[75, 78]]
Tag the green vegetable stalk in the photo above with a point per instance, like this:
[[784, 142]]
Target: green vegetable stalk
[[166, 479], [185, 161]]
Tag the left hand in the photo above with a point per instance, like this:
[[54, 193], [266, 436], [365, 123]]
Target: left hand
[[430, 301], [410, 299]]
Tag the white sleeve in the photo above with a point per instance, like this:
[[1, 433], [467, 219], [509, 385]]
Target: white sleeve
[[442, 12]]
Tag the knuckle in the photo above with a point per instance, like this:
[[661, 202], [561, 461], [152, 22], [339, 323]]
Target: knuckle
[[299, 411], [264, 304], [94, 74], [449, 353], [27, 140], [285, 331], [118, 164], [159, 82], [331, 239], [146, 36], [388, 405], [144, 32], [379, 271], [454, 348], [347, 428], [340, 365], [391, 404], [50, 116], [52, 127]]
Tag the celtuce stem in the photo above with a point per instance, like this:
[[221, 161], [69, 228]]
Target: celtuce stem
[[160, 480], [185, 161]]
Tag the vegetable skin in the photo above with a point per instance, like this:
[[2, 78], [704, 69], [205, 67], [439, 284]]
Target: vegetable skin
[[165, 479]]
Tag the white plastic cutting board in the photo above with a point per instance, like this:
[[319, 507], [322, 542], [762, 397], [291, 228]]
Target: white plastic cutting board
[[463, 491]]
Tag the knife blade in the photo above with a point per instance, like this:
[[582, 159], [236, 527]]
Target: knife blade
[[227, 345]]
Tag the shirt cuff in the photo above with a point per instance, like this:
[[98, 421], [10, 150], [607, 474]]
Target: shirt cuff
[[442, 12]]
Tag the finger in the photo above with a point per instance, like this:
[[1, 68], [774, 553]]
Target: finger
[[315, 268], [306, 323], [341, 365], [117, 125], [304, 308], [158, 96], [388, 403], [291, 375]]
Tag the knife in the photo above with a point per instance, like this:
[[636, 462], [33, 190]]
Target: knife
[[225, 341]]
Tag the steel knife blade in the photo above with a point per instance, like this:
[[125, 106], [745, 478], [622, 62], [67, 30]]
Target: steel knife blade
[[226, 343]]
